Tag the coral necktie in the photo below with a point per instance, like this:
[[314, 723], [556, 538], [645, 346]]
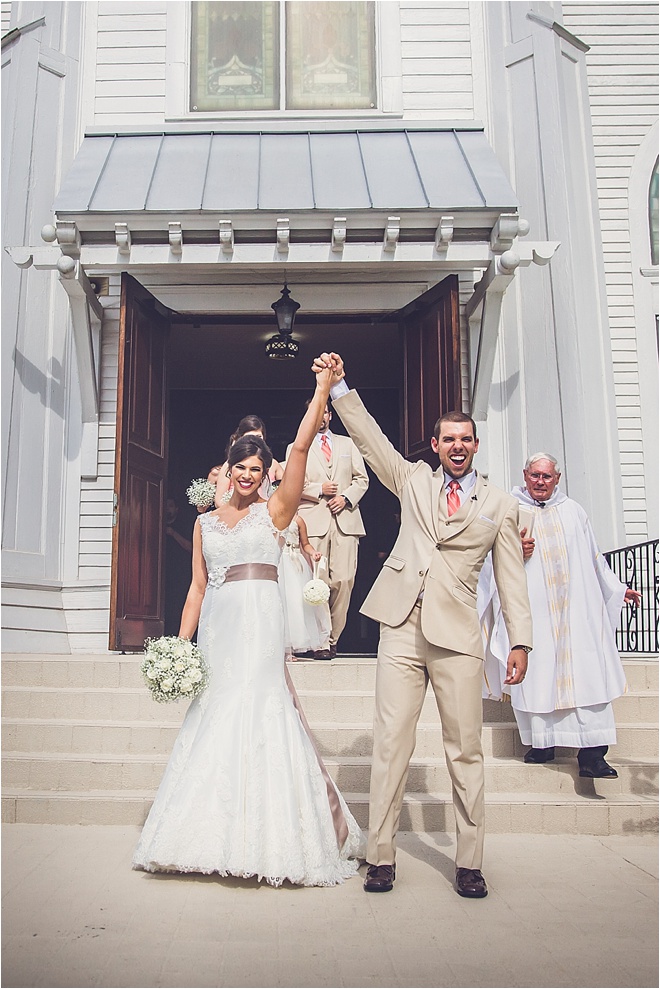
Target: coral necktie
[[325, 446], [453, 499]]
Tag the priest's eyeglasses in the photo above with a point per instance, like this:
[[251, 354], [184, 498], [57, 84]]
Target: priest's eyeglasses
[[535, 476]]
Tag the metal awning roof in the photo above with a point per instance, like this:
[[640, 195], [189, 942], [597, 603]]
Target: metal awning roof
[[411, 168]]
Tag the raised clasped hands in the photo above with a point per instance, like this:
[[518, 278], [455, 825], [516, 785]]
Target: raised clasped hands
[[329, 363]]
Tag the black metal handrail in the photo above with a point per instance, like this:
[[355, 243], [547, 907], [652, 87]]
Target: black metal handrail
[[637, 566]]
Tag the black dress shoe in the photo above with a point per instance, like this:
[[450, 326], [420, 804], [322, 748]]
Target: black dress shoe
[[470, 882], [380, 878], [322, 654], [333, 651], [539, 755], [599, 770]]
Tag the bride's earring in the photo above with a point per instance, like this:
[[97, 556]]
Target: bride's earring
[[227, 473]]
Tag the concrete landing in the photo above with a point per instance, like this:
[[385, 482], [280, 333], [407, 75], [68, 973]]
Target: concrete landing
[[563, 911]]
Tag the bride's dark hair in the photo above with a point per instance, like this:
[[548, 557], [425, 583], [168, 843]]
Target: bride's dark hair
[[250, 446], [248, 424]]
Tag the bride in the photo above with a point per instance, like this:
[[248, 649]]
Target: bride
[[245, 792]]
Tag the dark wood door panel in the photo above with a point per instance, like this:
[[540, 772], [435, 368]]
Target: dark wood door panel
[[431, 356], [137, 602]]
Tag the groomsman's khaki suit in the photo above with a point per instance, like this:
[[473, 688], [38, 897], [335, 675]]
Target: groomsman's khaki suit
[[335, 536], [437, 638]]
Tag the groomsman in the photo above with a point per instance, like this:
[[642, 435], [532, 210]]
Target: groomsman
[[335, 481]]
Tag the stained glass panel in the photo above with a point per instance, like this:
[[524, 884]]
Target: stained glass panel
[[330, 55], [235, 55], [653, 214]]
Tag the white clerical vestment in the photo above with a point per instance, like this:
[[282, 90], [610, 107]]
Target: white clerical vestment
[[575, 670]]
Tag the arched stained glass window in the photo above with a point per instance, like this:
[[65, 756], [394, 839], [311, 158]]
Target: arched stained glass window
[[653, 214]]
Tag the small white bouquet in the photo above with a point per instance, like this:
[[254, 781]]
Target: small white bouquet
[[316, 591], [173, 668], [201, 493]]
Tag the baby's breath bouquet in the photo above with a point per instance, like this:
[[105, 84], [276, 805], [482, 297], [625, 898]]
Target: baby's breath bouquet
[[316, 591], [201, 492], [173, 668]]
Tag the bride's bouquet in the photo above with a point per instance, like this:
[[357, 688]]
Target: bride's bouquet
[[316, 591], [173, 668], [201, 493]]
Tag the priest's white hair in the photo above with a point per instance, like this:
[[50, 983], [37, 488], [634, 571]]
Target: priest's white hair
[[542, 456]]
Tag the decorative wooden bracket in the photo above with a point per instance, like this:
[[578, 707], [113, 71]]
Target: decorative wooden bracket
[[283, 235], [226, 235], [86, 317], [68, 237], [175, 236], [444, 234], [391, 236], [506, 229], [123, 238], [338, 234]]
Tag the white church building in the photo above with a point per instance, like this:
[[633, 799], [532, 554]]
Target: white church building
[[462, 197]]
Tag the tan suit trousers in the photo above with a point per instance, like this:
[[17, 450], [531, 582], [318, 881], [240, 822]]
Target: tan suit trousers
[[342, 553], [406, 663]]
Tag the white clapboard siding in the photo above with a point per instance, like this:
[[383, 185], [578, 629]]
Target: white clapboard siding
[[131, 68], [435, 59], [622, 67], [6, 16], [130, 63]]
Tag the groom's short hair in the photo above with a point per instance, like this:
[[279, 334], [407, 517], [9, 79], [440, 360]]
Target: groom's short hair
[[454, 417]]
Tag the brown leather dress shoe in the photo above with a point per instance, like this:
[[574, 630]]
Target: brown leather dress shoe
[[380, 878], [470, 882]]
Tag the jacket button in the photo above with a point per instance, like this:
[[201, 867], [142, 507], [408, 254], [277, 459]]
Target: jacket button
[[421, 573], [447, 523], [438, 545]]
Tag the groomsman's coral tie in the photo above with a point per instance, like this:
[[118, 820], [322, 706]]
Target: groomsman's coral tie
[[325, 446], [453, 499]]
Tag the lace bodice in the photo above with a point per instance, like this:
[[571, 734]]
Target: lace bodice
[[254, 539]]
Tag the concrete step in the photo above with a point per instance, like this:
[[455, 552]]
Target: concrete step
[[129, 704], [84, 743], [343, 673], [505, 813], [500, 739], [134, 771]]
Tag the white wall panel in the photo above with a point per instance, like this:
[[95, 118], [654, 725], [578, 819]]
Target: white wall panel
[[622, 67]]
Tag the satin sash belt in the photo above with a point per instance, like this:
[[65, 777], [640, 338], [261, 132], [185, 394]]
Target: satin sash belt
[[251, 571]]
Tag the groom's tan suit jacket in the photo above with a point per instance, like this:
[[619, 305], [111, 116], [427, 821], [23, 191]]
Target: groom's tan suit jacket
[[440, 555]]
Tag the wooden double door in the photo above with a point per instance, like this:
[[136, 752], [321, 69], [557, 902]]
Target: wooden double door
[[430, 384]]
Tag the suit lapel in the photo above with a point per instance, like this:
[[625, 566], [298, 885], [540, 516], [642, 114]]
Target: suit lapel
[[438, 500], [334, 462], [318, 453]]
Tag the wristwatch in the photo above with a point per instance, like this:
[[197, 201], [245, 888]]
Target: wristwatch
[[526, 649]]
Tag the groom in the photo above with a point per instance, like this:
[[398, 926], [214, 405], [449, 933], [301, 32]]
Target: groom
[[425, 600]]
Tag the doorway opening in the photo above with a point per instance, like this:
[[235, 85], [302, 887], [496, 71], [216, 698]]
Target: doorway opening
[[220, 373], [407, 367]]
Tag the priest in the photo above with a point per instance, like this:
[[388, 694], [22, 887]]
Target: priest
[[575, 671]]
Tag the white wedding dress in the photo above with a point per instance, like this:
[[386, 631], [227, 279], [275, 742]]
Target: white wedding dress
[[244, 792], [307, 627]]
